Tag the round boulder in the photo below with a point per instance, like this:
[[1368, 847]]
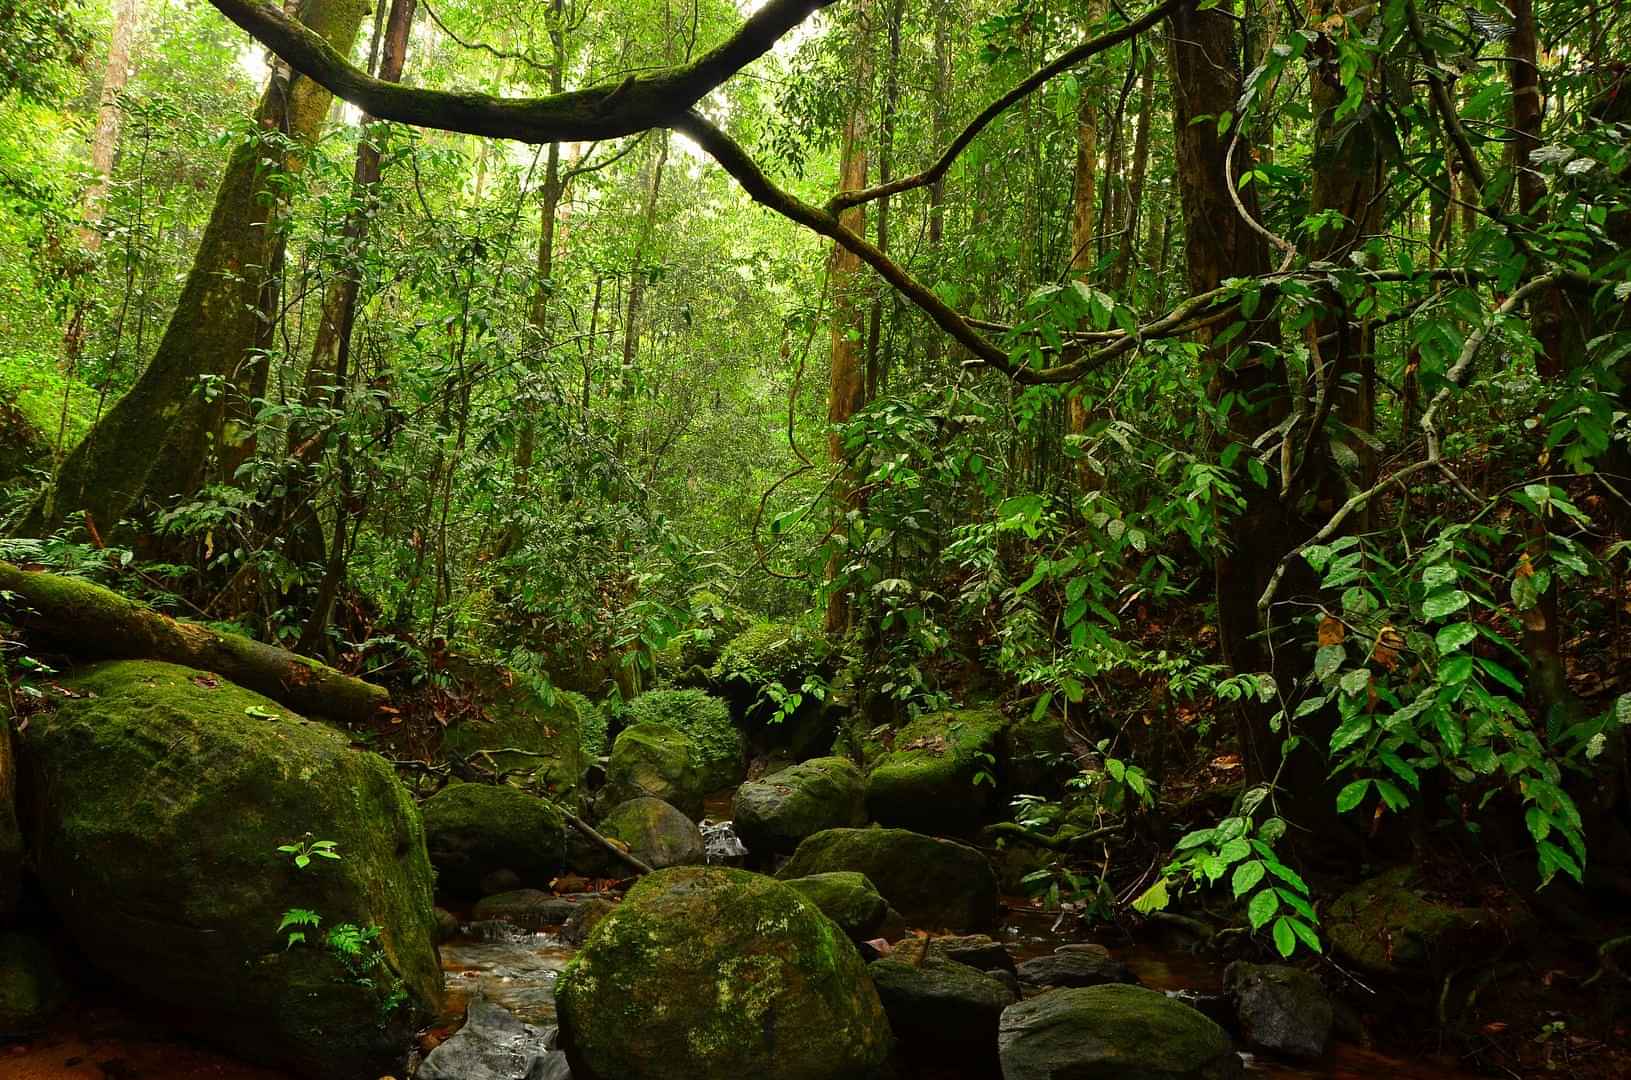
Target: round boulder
[[172, 814], [848, 899], [656, 833], [773, 814], [708, 973], [933, 883], [1074, 965], [941, 774], [719, 749], [473, 830], [940, 1007], [659, 761], [1112, 1031]]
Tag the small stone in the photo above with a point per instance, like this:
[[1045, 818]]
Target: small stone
[[1112, 1031], [501, 880], [530, 909], [976, 950], [584, 920], [447, 924], [941, 1008], [492, 1045], [1075, 965]]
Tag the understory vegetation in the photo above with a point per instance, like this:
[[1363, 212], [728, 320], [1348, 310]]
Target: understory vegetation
[[1201, 428]]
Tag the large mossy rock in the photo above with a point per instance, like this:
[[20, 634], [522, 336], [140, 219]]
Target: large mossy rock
[[785, 655], [31, 986], [848, 899], [940, 1008], [772, 815], [159, 798], [1041, 758], [656, 833], [708, 973], [526, 733], [1390, 925], [658, 761], [941, 775], [933, 883], [1112, 1033], [471, 830], [720, 752]]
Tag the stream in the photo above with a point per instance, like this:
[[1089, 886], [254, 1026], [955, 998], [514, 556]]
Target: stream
[[517, 969]]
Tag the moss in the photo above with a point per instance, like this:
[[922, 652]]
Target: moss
[[659, 761], [720, 755], [31, 988], [771, 652], [848, 899], [776, 812], [1113, 1031], [474, 829], [658, 834], [933, 883], [731, 974], [533, 736], [1387, 925], [932, 778], [160, 798]]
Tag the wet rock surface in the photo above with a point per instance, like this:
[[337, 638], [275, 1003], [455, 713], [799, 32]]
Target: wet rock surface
[[775, 813], [1284, 1010], [941, 1008], [479, 831], [1112, 1032], [493, 1045], [1074, 965], [848, 899], [933, 883], [655, 832]]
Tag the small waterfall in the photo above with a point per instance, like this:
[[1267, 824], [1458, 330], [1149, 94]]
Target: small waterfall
[[720, 843]]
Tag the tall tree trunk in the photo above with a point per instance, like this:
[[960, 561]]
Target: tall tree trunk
[[109, 116], [1135, 181], [214, 325], [365, 179], [1082, 254], [1542, 631], [104, 142], [846, 393], [1218, 244], [875, 361], [637, 288], [1347, 181], [940, 127]]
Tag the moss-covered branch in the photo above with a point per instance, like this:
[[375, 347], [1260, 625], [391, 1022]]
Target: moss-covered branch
[[89, 621], [635, 105]]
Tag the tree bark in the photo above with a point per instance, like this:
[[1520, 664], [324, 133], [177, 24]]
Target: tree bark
[[637, 288], [11, 836], [1135, 181], [1082, 221], [212, 328], [90, 622], [1204, 53], [846, 393], [109, 116]]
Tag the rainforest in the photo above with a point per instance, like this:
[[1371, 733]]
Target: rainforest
[[815, 539]]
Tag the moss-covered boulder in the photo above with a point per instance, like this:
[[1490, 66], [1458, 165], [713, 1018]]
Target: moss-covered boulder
[[1121, 1032], [941, 775], [659, 761], [708, 973], [940, 1008], [772, 815], [527, 733], [1041, 757], [160, 799], [31, 986], [933, 883], [719, 750], [472, 830], [656, 833], [784, 655], [1392, 925], [848, 899], [766, 652]]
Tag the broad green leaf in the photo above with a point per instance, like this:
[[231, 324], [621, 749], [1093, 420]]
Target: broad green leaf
[[1262, 908], [1246, 877], [1352, 795], [1441, 604], [1455, 636]]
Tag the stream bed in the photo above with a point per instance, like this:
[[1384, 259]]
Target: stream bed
[[516, 968]]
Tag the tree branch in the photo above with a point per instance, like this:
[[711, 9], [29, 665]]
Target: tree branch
[[845, 199], [637, 104]]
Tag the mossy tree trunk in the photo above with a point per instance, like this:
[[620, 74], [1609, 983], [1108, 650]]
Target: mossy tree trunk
[[846, 389], [177, 403]]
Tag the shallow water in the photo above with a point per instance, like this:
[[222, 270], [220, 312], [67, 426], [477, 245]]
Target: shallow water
[[516, 970]]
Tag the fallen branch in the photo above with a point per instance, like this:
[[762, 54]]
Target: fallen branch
[[1013, 831], [90, 622]]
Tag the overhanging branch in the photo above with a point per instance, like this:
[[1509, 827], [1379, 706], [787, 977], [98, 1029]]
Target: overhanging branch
[[637, 104]]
